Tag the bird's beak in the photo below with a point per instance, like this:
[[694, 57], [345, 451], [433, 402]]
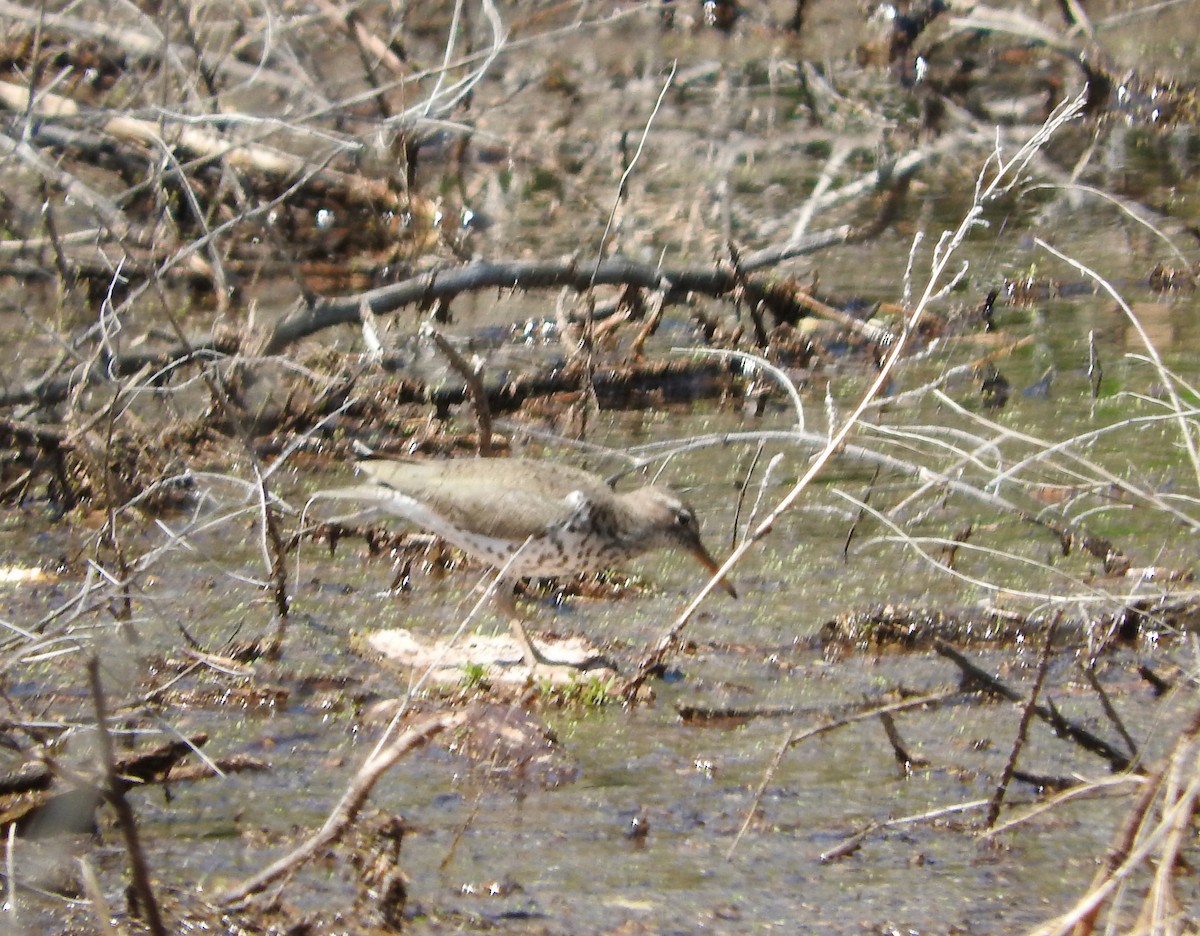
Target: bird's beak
[[705, 559]]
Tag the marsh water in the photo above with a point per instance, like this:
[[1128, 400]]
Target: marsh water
[[635, 823]]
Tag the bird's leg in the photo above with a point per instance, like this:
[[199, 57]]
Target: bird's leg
[[537, 661], [534, 658]]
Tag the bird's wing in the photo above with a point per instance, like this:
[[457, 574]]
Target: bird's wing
[[505, 513], [523, 499]]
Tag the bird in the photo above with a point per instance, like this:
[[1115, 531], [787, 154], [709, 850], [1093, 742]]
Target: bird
[[532, 518]]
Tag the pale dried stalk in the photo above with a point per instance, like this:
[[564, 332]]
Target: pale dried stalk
[[1006, 175]]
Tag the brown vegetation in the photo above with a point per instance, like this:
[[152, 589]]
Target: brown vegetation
[[241, 240]]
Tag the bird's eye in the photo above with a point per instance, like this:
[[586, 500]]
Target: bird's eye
[[684, 519]]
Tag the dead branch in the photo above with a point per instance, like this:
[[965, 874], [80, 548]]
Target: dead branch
[[444, 285], [1126, 852], [1062, 726], [1089, 672], [474, 388], [348, 807], [114, 792], [850, 844], [1022, 732], [905, 759], [235, 763], [107, 212], [795, 738], [139, 768], [716, 281], [196, 144]]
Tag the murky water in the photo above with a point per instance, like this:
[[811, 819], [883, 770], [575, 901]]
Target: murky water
[[494, 850]]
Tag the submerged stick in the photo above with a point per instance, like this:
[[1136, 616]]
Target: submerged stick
[[1062, 725], [1010, 766], [114, 793], [347, 808]]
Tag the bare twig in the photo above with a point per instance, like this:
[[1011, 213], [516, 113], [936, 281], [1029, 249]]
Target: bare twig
[[1062, 726], [1006, 174], [795, 738], [113, 790], [1022, 732], [347, 808], [1089, 673], [475, 389], [851, 843], [105, 210], [620, 194], [1126, 853]]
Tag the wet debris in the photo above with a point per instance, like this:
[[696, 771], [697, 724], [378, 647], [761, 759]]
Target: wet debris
[[903, 628], [1164, 278], [41, 799], [993, 388], [503, 737], [514, 746], [381, 886], [1140, 100], [1031, 291]]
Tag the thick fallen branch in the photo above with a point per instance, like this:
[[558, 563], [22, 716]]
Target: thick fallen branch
[[445, 285], [71, 806], [784, 298], [191, 143]]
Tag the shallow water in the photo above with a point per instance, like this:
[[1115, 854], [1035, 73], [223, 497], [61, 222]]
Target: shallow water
[[493, 850]]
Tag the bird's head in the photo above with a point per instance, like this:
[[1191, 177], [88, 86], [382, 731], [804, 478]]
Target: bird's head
[[658, 517]]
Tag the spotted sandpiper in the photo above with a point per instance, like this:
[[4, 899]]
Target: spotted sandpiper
[[538, 517]]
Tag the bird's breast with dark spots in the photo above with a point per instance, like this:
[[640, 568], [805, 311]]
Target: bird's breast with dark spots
[[565, 552]]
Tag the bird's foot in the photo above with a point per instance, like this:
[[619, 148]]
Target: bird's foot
[[542, 667], [591, 681]]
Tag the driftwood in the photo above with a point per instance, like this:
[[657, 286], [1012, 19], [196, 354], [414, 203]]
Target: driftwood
[[783, 297]]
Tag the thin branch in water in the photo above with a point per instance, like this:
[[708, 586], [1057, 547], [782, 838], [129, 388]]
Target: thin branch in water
[[1006, 175], [764, 486], [348, 807], [797, 737], [855, 840], [1022, 732], [1064, 727], [758, 363], [741, 498], [904, 758], [475, 390], [114, 793], [833, 165], [1089, 672], [1126, 854], [862, 512], [1085, 790]]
